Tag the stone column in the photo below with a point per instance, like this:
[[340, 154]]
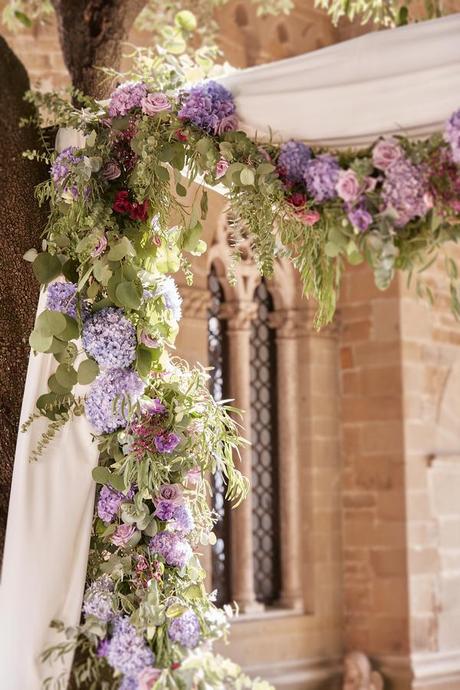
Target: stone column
[[286, 323], [239, 316]]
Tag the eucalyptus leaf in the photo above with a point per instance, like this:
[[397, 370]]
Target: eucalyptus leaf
[[87, 371], [128, 295], [101, 475], [46, 267]]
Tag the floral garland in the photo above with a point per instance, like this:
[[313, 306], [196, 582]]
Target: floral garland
[[147, 619]]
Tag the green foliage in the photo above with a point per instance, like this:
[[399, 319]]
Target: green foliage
[[384, 12]]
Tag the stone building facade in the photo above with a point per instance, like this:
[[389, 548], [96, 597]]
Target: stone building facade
[[367, 444]]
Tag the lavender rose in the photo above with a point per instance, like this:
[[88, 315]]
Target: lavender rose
[[100, 247], [123, 534], [360, 218], [148, 677], [348, 187], [155, 103], [385, 153], [221, 168], [111, 171], [172, 493], [227, 124]]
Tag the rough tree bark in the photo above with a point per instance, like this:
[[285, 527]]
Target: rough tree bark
[[21, 224], [91, 33]]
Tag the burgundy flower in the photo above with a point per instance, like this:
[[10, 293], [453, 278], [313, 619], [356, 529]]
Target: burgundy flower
[[122, 203]]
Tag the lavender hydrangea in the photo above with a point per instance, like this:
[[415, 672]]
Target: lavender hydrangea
[[129, 683], [62, 297], [210, 106], [403, 191], [167, 288], [110, 338], [98, 599], [452, 135], [119, 384], [321, 176], [165, 510], [62, 164], [175, 550], [183, 519], [127, 651], [293, 159], [126, 97], [109, 502], [185, 630], [166, 442]]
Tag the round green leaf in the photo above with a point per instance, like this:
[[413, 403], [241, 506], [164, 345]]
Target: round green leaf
[[69, 270], [46, 267], [101, 475], [185, 20], [55, 386], [71, 330], [40, 342], [247, 177], [128, 295], [66, 376], [87, 371], [51, 322], [57, 346]]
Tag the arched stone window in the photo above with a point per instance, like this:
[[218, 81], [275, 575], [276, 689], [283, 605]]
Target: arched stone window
[[252, 343]]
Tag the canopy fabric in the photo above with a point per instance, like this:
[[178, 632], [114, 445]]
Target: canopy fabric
[[403, 81], [47, 539]]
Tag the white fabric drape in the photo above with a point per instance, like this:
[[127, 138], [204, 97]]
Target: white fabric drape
[[406, 80], [47, 539]]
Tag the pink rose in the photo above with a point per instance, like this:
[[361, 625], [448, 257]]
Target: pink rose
[[428, 200], [123, 534], [370, 184], [171, 493], [348, 187], [221, 168], [111, 171], [227, 124], [385, 153], [308, 217], [155, 103], [148, 677], [100, 246]]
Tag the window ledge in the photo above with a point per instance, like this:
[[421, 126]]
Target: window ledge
[[267, 613]]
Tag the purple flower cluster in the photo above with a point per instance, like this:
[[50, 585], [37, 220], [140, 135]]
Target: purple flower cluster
[[62, 297], [126, 97], [109, 502], [179, 515], [106, 404], [175, 550], [404, 191], [185, 630], [210, 106], [360, 218], [293, 159], [98, 599], [127, 651], [167, 288], [321, 176], [110, 338], [166, 442], [62, 164], [129, 683], [452, 135]]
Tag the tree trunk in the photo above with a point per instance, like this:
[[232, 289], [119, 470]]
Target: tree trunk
[[21, 223], [91, 33]]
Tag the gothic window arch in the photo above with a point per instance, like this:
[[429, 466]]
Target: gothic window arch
[[249, 333]]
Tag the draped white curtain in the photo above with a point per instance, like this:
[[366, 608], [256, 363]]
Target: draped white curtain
[[401, 81]]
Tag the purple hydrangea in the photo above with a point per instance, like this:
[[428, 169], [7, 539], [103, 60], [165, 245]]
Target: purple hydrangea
[[103, 647], [360, 218], [403, 191], [62, 164], [98, 599], [127, 96], [321, 176], [167, 288], [166, 442], [128, 651], [175, 550], [109, 502], [62, 297], [210, 106], [129, 683], [293, 158], [185, 630], [183, 519], [110, 338], [165, 510], [106, 404], [452, 135]]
